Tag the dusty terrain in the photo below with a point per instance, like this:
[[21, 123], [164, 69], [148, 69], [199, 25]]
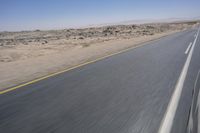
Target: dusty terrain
[[27, 55]]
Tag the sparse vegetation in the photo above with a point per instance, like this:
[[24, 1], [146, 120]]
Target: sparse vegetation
[[74, 36], [40, 51]]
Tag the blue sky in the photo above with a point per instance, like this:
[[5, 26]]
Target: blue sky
[[52, 14]]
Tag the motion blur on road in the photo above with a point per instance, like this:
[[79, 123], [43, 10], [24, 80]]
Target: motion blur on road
[[99, 66], [128, 92]]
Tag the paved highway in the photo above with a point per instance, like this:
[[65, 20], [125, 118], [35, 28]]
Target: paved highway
[[127, 93]]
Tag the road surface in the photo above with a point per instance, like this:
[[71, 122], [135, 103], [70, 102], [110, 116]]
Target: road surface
[[126, 93]]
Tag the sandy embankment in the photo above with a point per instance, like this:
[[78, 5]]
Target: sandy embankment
[[25, 55]]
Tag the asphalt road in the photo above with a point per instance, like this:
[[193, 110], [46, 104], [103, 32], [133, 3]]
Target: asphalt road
[[125, 93]]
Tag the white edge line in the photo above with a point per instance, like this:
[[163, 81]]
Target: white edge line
[[188, 48], [168, 119]]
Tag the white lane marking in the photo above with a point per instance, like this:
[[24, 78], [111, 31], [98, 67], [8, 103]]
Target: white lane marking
[[188, 48], [168, 119]]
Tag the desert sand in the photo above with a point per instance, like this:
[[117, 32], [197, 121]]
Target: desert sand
[[28, 55]]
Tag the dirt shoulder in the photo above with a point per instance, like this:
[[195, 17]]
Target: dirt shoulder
[[25, 56]]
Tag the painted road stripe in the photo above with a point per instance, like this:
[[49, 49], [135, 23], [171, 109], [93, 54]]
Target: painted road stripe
[[60, 72], [188, 48], [168, 119], [77, 66], [72, 68]]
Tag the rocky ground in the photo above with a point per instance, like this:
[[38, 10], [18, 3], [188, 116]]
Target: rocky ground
[[26, 44], [27, 55]]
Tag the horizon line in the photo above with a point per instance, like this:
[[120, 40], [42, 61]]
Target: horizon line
[[125, 22]]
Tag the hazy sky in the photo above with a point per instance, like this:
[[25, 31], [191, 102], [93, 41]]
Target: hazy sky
[[51, 14]]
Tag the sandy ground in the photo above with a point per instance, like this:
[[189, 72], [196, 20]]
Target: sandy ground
[[25, 56]]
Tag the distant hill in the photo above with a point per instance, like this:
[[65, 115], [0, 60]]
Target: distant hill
[[146, 21]]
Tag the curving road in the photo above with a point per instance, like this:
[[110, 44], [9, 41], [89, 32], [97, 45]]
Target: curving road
[[125, 93]]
